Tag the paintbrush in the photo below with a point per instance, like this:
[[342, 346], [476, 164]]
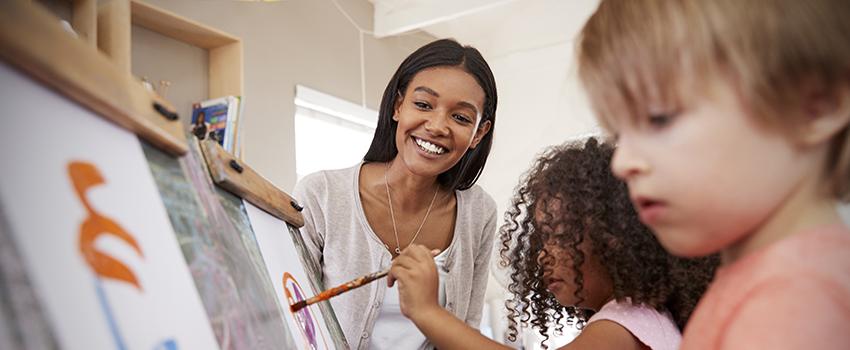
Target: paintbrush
[[332, 292]]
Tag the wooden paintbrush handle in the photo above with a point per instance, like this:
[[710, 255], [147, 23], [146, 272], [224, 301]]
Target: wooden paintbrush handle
[[355, 283]]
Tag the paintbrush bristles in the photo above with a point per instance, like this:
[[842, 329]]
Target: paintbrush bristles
[[298, 306]]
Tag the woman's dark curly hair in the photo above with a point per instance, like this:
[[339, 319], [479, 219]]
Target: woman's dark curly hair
[[594, 205]]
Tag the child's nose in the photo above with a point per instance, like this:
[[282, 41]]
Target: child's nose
[[627, 163]]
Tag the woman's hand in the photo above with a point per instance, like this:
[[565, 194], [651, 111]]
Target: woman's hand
[[417, 278], [418, 281]]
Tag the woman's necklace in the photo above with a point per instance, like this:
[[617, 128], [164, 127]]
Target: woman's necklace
[[392, 215]]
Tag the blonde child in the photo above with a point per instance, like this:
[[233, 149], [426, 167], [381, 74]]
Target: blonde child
[[731, 120], [574, 246]]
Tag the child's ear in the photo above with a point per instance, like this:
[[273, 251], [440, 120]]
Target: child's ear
[[827, 114]]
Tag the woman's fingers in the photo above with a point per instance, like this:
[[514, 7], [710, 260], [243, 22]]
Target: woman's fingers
[[390, 279], [415, 260], [405, 261], [397, 273], [420, 252]]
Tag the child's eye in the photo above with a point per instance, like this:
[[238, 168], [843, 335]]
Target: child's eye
[[658, 121], [422, 105]]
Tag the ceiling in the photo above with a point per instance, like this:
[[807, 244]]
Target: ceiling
[[496, 27]]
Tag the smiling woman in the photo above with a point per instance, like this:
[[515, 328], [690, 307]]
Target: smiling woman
[[415, 184]]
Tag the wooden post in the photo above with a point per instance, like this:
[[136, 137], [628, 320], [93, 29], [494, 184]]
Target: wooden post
[[84, 20], [113, 32], [226, 70]]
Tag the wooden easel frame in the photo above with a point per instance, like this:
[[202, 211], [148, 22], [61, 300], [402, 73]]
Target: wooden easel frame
[[230, 174], [33, 41]]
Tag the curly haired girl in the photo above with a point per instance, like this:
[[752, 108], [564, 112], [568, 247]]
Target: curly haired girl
[[575, 247]]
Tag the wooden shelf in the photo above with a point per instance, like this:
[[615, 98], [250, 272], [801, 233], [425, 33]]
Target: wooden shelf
[[116, 17], [225, 50], [174, 26], [32, 40]]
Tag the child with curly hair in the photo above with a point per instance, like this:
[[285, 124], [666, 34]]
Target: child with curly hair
[[733, 126], [575, 247]]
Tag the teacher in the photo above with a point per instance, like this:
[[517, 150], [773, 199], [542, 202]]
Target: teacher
[[416, 184]]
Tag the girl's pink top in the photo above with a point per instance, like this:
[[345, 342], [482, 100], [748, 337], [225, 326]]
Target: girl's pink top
[[653, 328]]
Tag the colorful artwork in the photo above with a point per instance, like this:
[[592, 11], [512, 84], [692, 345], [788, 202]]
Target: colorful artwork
[[303, 318], [223, 257], [84, 176], [84, 216], [314, 326]]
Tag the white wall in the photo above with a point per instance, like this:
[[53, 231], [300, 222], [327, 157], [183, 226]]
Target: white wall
[[541, 104], [529, 46], [307, 42]]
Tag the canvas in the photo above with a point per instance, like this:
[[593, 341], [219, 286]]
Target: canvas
[[289, 272], [86, 217]]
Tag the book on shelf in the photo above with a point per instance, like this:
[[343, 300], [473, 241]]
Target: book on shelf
[[219, 119], [237, 131]]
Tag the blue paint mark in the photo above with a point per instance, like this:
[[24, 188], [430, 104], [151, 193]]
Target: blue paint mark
[[113, 327], [169, 344]]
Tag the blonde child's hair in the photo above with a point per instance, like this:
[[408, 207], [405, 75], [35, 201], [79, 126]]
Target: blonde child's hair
[[635, 56]]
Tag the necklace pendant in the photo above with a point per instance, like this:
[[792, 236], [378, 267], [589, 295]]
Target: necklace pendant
[[397, 251]]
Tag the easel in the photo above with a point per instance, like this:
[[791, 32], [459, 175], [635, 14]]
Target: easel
[[34, 43]]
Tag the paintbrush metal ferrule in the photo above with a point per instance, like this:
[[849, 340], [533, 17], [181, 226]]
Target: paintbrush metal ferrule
[[298, 306]]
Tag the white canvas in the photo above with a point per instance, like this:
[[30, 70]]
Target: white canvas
[[42, 135], [307, 326]]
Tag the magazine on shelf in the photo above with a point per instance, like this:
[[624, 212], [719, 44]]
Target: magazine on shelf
[[220, 117]]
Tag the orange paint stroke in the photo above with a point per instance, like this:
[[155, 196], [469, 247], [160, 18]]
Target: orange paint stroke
[[84, 176], [288, 276], [308, 327]]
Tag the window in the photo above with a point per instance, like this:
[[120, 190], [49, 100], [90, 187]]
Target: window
[[330, 133]]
